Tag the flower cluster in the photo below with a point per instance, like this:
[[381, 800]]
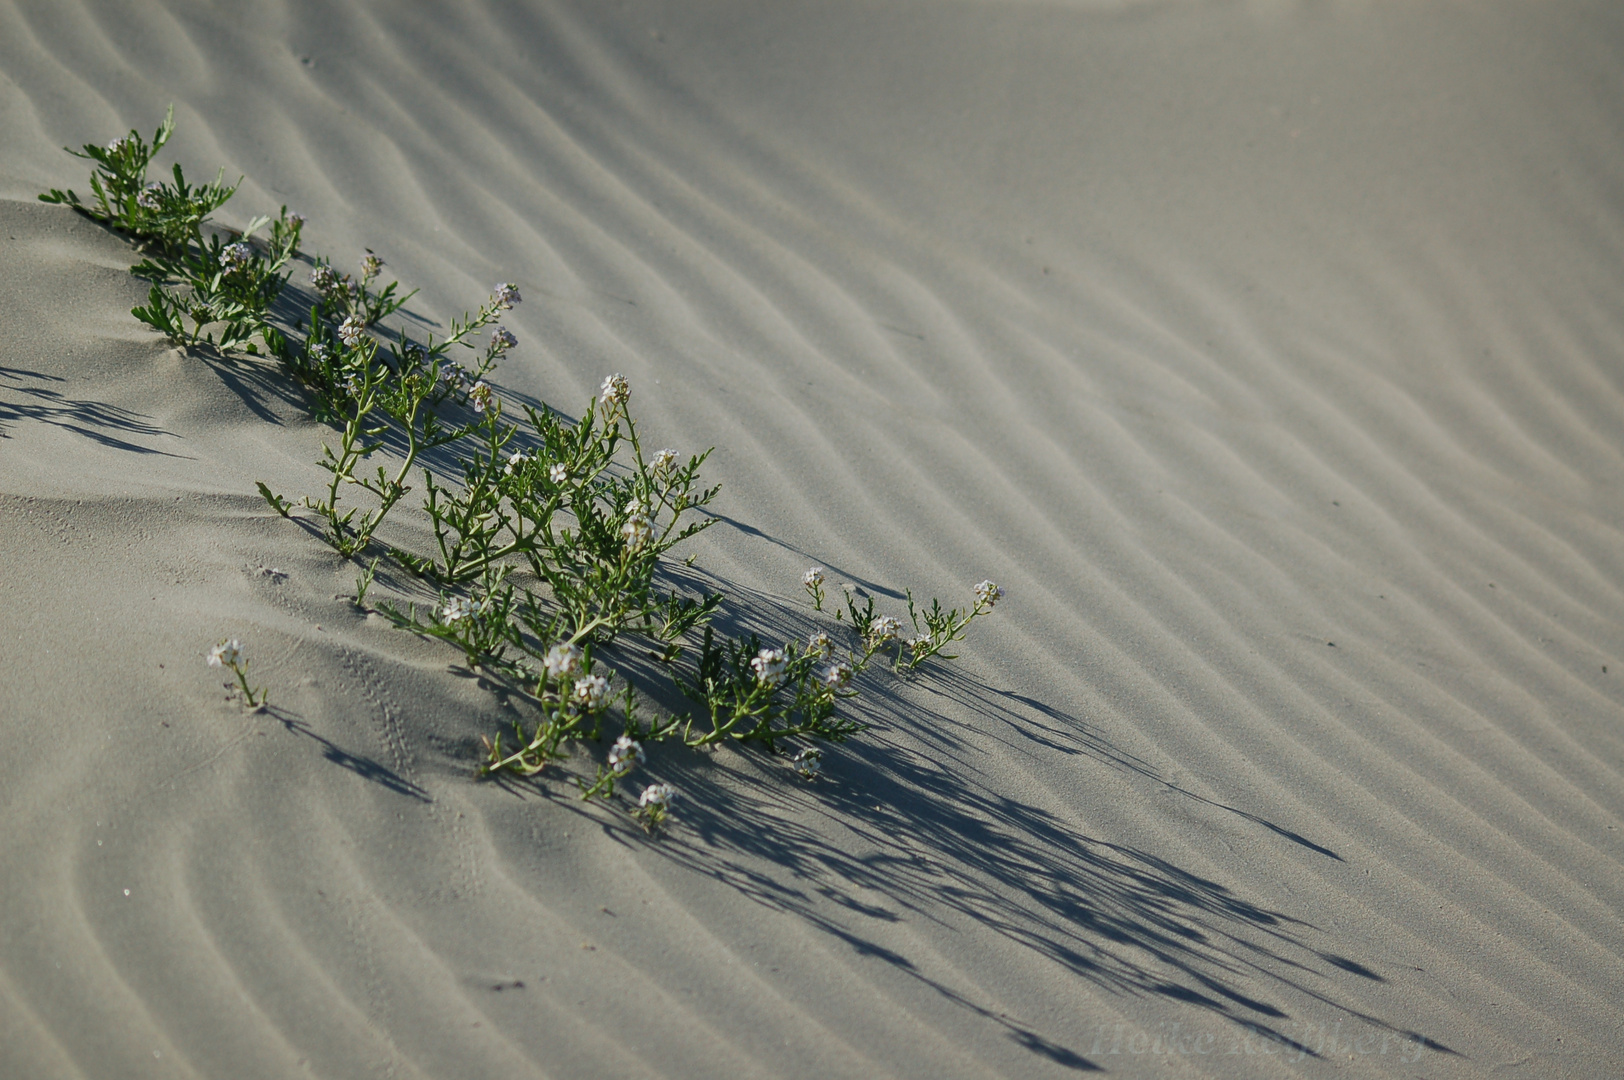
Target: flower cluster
[[352, 331], [625, 755], [325, 279], [505, 295], [591, 693], [227, 653], [151, 198], [638, 528], [481, 397], [769, 665], [616, 391], [654, 804], [813, 580], [457, 610], [562, 661], [517, 461], [236, 256], [664, 461], [884, 628], [820, 644], [837, 676], [657, 795], [808, 762], [502, 340], [371, 266], [988, 594]]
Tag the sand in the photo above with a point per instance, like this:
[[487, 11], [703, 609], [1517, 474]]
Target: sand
[[1267, 353]]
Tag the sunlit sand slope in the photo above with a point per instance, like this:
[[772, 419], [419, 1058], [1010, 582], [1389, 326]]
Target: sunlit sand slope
[[1270, 355]]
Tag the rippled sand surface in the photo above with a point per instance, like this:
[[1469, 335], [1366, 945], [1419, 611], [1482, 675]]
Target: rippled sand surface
[[1271, 355]]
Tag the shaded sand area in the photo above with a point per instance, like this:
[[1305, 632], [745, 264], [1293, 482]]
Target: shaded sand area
[[1271, 355]]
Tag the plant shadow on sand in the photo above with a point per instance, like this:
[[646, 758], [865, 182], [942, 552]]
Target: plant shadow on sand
[[366, 768], [904, 835], [897, 833], [95, 420]]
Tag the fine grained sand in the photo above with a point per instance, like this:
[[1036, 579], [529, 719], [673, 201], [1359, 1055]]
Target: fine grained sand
[[1269, 354]]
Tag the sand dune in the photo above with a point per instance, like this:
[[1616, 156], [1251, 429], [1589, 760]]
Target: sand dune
[[1267, 353]]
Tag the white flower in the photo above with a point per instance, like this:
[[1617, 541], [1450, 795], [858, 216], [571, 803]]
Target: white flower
[[837, 676], [557, 473], [769, 666], [325, 279], [813, 578], [226, 654], [236, 256], [458, 609], [562, 660], [988, 594], [616, 389], [591, 693], [502, 340], [319, 352], [150, 198], [664, 461], [884, 628], [625, 755], [506, 294], [920, 645], [480, 396], [638, 528], [820, 644], [808, 762], [517, 461], [456, 377], [657, 795], [371, 266], [119, 145], [352, 331]]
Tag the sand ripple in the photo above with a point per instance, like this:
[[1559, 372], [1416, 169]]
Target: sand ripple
[[1268, 358]]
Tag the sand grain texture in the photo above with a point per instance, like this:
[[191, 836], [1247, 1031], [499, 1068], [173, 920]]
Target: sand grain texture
[[1269, 354]]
